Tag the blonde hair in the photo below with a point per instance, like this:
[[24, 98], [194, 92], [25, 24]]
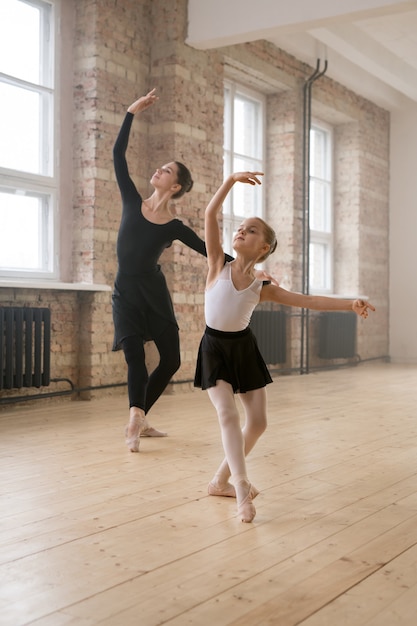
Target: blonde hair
[[270, 238]]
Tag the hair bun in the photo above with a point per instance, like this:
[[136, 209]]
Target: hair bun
[[184, 179]]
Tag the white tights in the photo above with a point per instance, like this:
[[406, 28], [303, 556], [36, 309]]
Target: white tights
[[237, 441]]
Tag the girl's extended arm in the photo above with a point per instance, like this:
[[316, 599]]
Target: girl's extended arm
[[272, 293]]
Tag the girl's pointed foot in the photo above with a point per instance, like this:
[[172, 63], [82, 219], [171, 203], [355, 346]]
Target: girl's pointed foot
[[228, 490], [253, 492], [216, 489], [245, 508]]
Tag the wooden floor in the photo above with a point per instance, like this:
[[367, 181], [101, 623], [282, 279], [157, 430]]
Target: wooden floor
[[94, 535]]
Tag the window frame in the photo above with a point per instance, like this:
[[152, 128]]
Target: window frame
[[323, 237], [44, 183], [232, 219]]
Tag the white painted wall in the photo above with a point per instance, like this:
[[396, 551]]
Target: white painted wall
[[216, 23], [403, 235]]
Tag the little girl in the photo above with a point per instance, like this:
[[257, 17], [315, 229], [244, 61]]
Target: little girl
[[229, 361]]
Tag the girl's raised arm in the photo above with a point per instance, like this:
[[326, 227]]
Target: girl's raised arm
[[215, 254]]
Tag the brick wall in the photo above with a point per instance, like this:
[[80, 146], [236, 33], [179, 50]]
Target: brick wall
[[121, 49]]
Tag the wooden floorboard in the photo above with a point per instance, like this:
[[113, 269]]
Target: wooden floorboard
[[91, 534]]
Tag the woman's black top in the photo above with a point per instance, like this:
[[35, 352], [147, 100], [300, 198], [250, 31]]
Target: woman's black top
[[142, 304]]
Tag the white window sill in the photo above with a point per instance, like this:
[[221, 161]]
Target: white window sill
[[45, 284]]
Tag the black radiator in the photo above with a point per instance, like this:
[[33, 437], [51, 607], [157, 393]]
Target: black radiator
[[269, 328], [25, 344], [337, 335]]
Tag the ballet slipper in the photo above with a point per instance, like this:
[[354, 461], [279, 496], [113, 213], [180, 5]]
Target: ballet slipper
[[246, 509], [150, 431], [132, 441], [228, 490], [253, 491]]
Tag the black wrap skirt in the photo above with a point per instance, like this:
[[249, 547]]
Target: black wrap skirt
[[141, 306], [233, 357]]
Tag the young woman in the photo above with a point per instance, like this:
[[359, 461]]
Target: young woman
[[229, 361], [142, 306]]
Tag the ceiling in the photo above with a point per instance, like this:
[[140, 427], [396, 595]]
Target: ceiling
[[370, 45]]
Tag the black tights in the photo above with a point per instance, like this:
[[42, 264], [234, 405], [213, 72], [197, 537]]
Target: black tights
[[144, 390]]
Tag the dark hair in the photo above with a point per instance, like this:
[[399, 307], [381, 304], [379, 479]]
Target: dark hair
[[270, 239], [184, 179]]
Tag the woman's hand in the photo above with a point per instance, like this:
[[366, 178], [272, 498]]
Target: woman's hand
[[262, 275], [361, 308], [144, 102]]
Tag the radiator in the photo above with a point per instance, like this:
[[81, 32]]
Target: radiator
[[269, 328], [337, 335], [25, 343]]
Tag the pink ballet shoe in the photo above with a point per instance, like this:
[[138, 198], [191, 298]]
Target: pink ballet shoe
[[246, 509], [132, 442], [137, 425], [150, 431], [253, 492], [228, 490]]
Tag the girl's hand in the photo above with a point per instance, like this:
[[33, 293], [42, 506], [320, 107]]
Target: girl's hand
[[247, 177], [143, 102], [361, 308]]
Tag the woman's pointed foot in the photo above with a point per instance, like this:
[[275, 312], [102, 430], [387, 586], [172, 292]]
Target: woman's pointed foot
[[132, 433]]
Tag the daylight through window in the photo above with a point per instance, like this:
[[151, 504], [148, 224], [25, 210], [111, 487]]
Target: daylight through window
[[321, 210], [27, 173], [243, 150]]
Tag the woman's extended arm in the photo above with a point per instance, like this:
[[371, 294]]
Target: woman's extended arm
[[126, 184], [192, 240], [144, 102]]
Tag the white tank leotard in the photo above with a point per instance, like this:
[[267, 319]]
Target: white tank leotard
[[225, 307]]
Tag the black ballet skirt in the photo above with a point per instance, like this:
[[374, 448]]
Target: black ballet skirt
[[233, 357], [142, 306]]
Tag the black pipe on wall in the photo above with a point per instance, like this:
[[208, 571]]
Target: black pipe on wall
[[304, 348]]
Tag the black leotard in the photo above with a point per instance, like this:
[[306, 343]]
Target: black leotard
[[142, 304]]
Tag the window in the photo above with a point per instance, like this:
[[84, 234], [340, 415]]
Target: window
[[243, 150], [28, 185], [321, 209]]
